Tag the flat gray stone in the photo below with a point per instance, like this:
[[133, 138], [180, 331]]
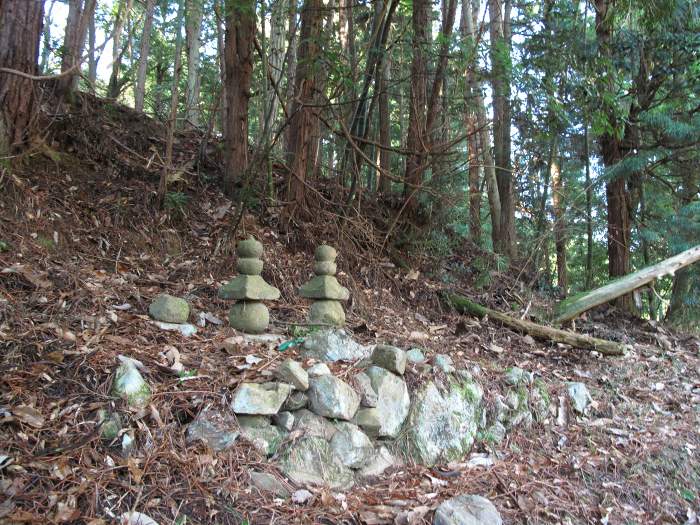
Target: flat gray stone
[[442, 425], [264, 436], [393, 401], [219, 430], [390, 358], [311, 424], [266, 482], [415, 355], [351, 445], [310, 460], [284, 420], [467, 509], [292, 372], [332, 397], [169, 309], [260, 398], [334, 345]]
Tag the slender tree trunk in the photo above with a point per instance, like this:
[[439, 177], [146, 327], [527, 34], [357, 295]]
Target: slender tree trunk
[[417, 131], [194, 30], [46, 45], [123, 13], [276, 62], [240, 32], [220, 9], [291, 67], [500, 84], [304, 119], [20, 34], [140, 88], [384, 126], [589, 209], [79, 15], [92, 59], [559, 217], [174, 98]]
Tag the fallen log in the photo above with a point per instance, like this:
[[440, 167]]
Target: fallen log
[[579, 303], [464, 305]]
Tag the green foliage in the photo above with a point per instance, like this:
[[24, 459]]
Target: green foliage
[[175, 201]]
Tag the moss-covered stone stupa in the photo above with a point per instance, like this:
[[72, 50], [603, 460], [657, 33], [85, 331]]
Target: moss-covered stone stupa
[[249, 314], [325, 290]]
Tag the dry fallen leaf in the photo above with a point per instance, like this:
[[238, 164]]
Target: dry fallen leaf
[[29, 415]]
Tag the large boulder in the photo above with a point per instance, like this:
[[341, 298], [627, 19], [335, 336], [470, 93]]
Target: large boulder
[[467, 509], [310, 460], [264, 399], [332, 397], [334, 345], [393, 403], [169, 309], [351, 445], [442, 423]]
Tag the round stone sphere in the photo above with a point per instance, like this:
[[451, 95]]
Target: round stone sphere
[[251, 317], [249, 266], [327, 312], [325, 268], [325, 253], [250, 248]]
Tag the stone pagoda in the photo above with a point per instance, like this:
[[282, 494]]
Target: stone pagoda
[[325, 289], [249, 314]]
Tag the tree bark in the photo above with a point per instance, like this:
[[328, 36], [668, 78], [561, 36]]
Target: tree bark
[[276, 62], [92, 59], [79, 15], [194, 30], [559, 211], [123, 12], [304, 117], [20, 34], [384, 127], [46, 45], [144, 52], [499, 29], [240, 32]]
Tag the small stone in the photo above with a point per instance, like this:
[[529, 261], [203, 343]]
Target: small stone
[[266, 482], [311, 424], [444, 363], [333, 397], [292, 372], [327, 312], [251, 317], [260, 398], [310, 460], [250, 248], [467, 509], [579, 396], [377, 463], [369, 419], [186, 329], [415, 355], [301, 496], [130, 385], [351, 445], [517, 376], [368, 396], [390, 358], [249, 266], [217, 429], [334, 345], [250, 287], [295, 401], [325, 252], [169, 309], [319, 369], [284, 420], [110, 424], [265, 437]]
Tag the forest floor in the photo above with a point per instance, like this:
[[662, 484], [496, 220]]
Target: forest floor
[[84, 251]]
